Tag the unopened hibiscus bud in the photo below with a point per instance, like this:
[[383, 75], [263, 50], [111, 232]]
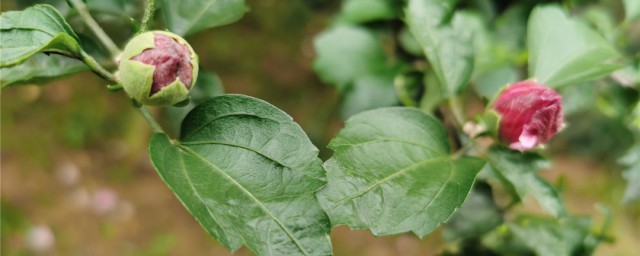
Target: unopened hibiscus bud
[[158, 68], [530, 114]]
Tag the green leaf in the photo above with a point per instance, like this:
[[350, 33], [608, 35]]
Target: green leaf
[[563, 51], [391, 172], [477, 216], [632, 174], [40, 69], [361, 11], [207, 86], [40, 28], [369, 92], [518, 172], [447, 45], [562, 237], [345, 53], [190, 16], [631, 9], [248, 174]]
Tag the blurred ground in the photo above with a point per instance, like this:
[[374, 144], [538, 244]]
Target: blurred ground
[[76, 177]]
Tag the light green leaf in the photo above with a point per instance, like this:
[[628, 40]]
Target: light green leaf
[[518, 172], [369, 92], [40, 69], [563, 51], [186, 17], [632, 174], [345, 53], [447, 45], [544, 236], [391, 173], [360, 11], [248, 174], [40, 28], [631, 9]]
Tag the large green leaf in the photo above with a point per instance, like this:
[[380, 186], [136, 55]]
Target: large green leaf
[[345, 53], [563, 51], [248, 174], [369, 92], [40, 69], [518, 172], [544, 236], [40, 28], [391, 172], [186, 17], [447, 45]]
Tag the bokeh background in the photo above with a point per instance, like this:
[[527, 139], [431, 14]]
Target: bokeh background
[[76, 177]]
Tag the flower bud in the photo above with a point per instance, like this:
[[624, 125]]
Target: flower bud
[[158, 68], [530, 114]]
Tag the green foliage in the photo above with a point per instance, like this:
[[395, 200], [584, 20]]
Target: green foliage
[[190, 16], [248, 174], [361, 11], [40, 28], [391, 173], [39, 69], [545, 236], [563, 51], [346, 53], [518, 173], [446, 44], [631, 9], [632, 174]]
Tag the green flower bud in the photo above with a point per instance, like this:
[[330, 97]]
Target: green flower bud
[[158, 68]]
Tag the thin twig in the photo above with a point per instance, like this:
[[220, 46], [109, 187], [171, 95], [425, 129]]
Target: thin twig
[[149, 118], [97, 68], [148, 15], [93, 25]]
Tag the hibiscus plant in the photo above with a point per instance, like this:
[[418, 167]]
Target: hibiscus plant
[[448, 105]]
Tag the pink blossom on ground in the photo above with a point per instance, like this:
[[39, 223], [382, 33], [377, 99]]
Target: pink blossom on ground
[[40, 238], [104, 201], [530, 114]]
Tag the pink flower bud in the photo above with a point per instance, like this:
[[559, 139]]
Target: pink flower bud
[[158, 68], [530, 114]]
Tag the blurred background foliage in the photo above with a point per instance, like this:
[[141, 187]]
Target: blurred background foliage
[[76, 178]]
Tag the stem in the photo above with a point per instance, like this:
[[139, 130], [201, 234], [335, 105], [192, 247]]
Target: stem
[[148, 15], [93, 25], [97, 68], [456, 110], [149, 118]]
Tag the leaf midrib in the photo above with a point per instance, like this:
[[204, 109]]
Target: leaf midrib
[[247, 192]]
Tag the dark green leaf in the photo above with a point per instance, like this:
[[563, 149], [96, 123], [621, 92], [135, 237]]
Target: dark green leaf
[[360, 11], [562, 237], [186, 17], [563, 51], [518, 172], [478, 215], [207, 86], [345, 53], [40, 28], [391, 172], [248, 174], [40, 69], [447, 45]]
